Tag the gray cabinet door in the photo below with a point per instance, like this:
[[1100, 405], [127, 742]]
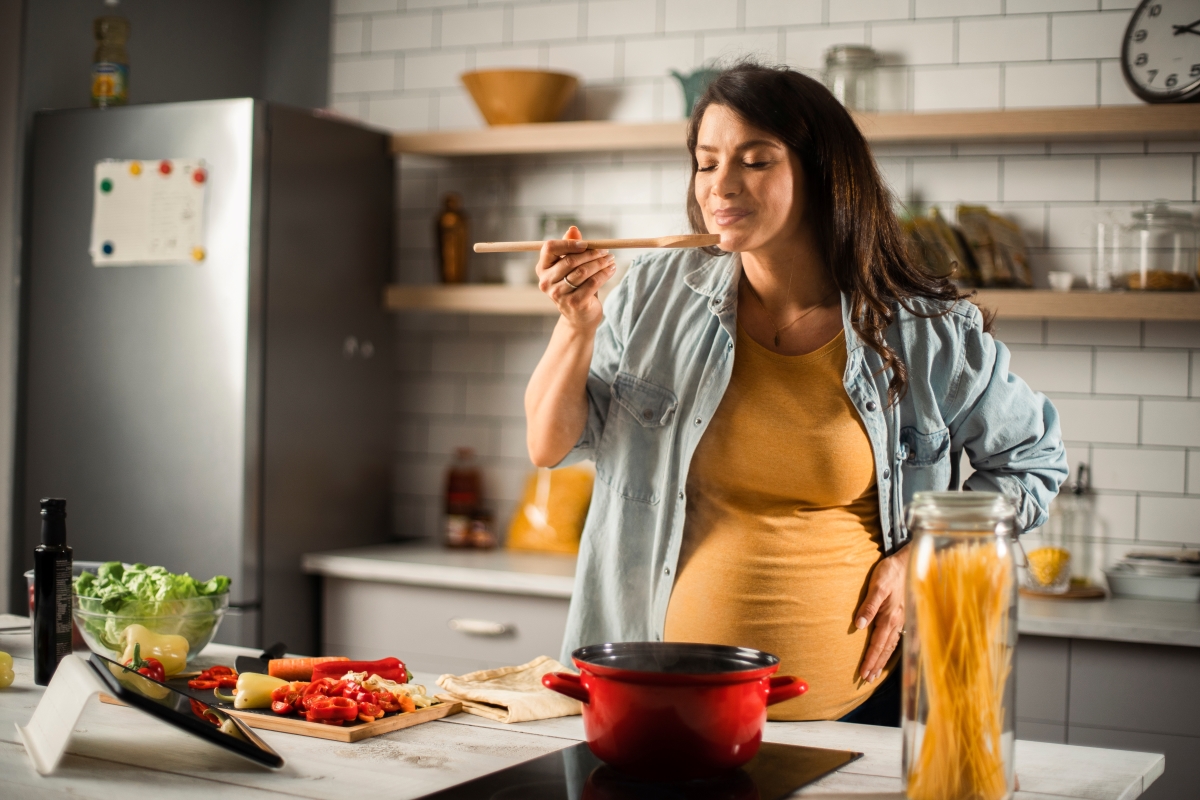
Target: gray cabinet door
[[1135, 687], [439, 630]]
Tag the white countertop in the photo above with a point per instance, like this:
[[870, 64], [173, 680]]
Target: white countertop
[[119, 752], [506, 571], [1116, 619]]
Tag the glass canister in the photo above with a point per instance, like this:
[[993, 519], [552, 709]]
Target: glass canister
[[960, 636], [1067, 554], [1158, 250], [850, 75]]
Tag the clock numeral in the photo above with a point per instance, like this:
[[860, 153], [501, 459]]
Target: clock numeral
[[1139, 36], [1155, 10], [1141, 60], [1195, 73], [1152, 73], [1172, 79]]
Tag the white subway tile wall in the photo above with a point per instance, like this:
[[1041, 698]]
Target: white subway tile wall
[[1128, 393]]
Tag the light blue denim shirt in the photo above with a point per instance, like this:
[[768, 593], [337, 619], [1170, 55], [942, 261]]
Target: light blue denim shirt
[[662, 360]]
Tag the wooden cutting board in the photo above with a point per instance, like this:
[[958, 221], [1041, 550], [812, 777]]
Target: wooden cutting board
[[270, 721]]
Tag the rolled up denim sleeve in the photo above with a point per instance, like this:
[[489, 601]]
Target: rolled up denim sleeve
[[606, 360], [1010, 433]]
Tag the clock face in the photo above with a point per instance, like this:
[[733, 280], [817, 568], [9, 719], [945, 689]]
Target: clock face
[[1161, 52]]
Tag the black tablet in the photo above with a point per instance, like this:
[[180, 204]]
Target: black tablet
[[184, 712]]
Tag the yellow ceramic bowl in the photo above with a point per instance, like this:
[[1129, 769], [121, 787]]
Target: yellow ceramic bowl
[[516, 96]]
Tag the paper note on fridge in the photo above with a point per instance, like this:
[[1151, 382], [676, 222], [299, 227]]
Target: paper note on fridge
[[148, 212]]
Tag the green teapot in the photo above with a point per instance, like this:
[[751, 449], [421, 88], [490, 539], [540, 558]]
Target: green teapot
[[693, 85]]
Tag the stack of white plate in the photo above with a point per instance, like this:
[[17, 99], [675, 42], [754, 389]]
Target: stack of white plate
[[1157, 574]]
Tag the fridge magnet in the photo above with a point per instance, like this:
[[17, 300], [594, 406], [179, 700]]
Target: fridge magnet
[[150, 215]]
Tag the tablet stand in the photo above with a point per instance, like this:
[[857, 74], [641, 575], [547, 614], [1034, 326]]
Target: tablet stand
[[46, 735]]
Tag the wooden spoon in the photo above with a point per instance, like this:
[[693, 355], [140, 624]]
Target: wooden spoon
[[687, 240]]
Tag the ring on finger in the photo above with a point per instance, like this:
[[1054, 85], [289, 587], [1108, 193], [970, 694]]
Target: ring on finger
[[568, 282]]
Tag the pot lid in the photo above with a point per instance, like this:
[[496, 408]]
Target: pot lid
[[675, 658]]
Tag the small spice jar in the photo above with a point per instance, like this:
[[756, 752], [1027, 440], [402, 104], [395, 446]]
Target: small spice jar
[[850, 75], [960, 636]]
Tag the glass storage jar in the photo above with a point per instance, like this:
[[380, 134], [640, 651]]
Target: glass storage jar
[[960, 635], [1067, 554], [1158, 250], [850, 75]]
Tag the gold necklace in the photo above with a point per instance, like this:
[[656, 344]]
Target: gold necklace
[[779, 330]]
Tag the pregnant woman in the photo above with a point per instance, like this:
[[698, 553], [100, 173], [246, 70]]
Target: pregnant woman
[[759, 415]]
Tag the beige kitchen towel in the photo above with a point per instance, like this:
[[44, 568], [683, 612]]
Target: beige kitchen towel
[[510, 694]]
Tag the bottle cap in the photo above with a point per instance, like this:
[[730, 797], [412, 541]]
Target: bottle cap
[[54, 521]]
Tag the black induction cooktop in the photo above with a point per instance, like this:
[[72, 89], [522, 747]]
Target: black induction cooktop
[[575, 774]]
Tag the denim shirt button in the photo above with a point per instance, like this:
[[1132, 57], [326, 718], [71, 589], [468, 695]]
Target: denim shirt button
[[871, 405], [697, 420], [887, 473], [666, 570], [681, 495], [648, 413]]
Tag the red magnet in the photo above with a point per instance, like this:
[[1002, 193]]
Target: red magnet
[[199, 175], [164, 167]]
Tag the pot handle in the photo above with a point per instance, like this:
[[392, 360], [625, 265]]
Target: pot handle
[[785, 687], [568, 684]]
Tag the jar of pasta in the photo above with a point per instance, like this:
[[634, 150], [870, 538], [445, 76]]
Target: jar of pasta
[[1158, 251], [960, 636]]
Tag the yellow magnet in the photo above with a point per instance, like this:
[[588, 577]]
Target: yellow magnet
[[135, 168]]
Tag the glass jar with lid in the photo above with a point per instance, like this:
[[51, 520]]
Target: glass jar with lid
[[960, 636], [1158, 250], [850, 75]]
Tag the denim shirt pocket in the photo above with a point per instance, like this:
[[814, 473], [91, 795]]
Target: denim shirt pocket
[[926, 465], [633, 449]]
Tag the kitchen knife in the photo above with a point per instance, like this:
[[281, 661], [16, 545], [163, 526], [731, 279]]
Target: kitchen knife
[[688, 240], [262, 663]]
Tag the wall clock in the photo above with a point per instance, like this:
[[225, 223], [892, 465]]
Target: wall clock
[[1160, 55]]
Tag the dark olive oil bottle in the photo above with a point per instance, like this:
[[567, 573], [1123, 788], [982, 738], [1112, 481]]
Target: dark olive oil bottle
[[51, 592]]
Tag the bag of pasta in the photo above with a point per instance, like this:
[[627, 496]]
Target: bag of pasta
[[998, 246]]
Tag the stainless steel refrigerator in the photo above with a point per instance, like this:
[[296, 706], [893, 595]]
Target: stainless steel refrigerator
[[223, 415]]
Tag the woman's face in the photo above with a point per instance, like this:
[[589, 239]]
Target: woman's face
[[748, 183]]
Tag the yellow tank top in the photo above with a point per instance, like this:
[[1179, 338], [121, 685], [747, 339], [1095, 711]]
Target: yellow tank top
[[782, 526]]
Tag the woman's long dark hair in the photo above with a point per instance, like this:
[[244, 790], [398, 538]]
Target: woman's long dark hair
[[849, 206]]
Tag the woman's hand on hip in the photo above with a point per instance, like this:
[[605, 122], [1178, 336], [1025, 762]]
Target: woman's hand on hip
[[884, 605], [571, 276]]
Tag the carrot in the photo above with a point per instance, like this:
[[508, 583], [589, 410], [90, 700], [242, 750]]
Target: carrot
[[297, 669]]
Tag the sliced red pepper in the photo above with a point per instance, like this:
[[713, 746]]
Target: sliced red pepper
[[200, 683], [370, 710], [220, 670], [333, 708], [204, 712], [387, 701], [281, 707], [227, 681]]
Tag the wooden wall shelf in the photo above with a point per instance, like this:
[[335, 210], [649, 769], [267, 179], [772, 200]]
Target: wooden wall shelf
[[1110, 123], [1007, 303]]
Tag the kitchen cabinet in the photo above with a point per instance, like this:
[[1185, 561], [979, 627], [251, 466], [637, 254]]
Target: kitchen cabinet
[[436, 629], [444, 610], [1128, 695]]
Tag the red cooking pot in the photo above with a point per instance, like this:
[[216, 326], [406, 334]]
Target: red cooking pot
[[674, 710]]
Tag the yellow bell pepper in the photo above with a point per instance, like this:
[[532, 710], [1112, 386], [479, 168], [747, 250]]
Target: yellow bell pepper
[[6, 671], [253, 690], [169, 649]]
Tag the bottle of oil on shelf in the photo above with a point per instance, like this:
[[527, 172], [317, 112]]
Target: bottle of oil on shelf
[[110, 64], [51, 592]]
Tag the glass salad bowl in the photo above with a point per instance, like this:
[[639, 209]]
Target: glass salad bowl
[[194, 618]]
